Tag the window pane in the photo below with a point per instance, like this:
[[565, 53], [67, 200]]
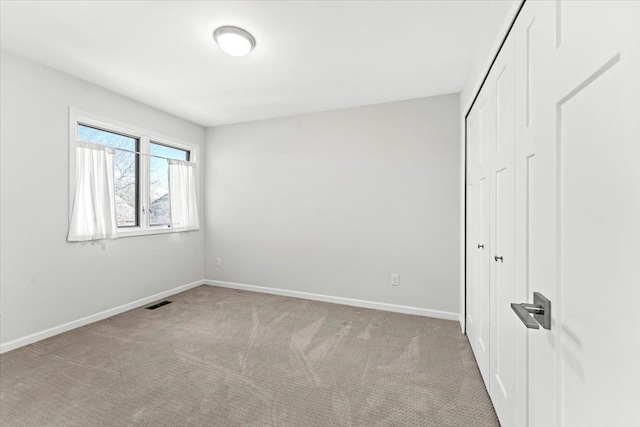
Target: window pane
[[159, 209], [125, 171]]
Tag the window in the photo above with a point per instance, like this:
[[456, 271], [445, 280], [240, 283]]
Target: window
[[159, 210], [142, 164], [125, 170]]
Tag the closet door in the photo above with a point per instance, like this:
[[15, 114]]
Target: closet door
[[479, 131], [492, 328], [502, 262], [535, 240]]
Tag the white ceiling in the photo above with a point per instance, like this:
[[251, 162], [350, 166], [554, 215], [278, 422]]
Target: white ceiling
[[310, 55]]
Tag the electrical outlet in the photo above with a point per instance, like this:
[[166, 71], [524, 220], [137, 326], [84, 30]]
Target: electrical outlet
[[395, 280], [218, 262]]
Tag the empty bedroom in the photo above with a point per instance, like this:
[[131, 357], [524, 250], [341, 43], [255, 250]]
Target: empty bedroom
[[320, 213]]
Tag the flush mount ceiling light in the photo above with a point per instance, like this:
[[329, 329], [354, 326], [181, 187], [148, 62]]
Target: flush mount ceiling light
[[234, 41]]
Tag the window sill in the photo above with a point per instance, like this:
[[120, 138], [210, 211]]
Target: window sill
[[137, 231]]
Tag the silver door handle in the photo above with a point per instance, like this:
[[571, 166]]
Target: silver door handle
[[540, 309], [480, 246], [496, 257]]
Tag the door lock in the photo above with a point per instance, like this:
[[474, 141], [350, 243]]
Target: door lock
[[541, 310]]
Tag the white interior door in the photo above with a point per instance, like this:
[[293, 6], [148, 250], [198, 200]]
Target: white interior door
[[502, 288], [491, 326], [534, 203], [578, 209], [479, 131]]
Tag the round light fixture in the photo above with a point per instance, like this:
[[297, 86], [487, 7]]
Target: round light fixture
[[234, 41]]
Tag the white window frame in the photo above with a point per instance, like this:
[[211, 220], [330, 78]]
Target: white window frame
[[145, 137]]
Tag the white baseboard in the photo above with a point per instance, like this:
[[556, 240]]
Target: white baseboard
[[338, 300], [38, 336], [30, 339]]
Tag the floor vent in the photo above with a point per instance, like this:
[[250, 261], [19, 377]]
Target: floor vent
[[158, 305]]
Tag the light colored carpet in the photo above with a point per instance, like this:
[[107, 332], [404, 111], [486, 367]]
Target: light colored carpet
[[221, 357]]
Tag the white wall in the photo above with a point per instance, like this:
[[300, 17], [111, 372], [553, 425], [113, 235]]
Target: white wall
[[495, 27], [45, 281], [335, 202]]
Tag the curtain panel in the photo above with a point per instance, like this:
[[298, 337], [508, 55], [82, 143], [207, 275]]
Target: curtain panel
[[94, 214], [182, 196]]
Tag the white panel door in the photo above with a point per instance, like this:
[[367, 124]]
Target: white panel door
[[534, 202], [479, 132], [502, 264], [578, 210]]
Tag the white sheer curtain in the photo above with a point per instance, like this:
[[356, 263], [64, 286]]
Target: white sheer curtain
[[182, 196], [94, 212]]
